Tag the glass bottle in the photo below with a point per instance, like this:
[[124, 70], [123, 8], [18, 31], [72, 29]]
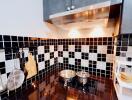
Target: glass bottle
[[2, 87]]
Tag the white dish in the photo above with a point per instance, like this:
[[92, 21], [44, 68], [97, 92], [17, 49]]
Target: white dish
[[15, 79]]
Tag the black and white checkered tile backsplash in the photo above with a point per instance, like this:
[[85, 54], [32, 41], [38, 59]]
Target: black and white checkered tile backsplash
[[94, 55], [124, 47]]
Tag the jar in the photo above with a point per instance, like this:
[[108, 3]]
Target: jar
[[2, 86], [128, 70]]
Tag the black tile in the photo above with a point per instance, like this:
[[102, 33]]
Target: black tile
[[8, 50], [8, 57], [7, 38], [26, 38], [2, 71], [1, 38], [102, 75], [93, 49], [21, 45], [51, 55], [39, 60], [77, 48], [108, 68], [65, 47], [125, 37], [118, 48], [20, 39], [31, 44], [14, 44], [15, 50], [78, 62], [2, 65], [117, 53], [42, 59], [14, 38], [55, 60], [71, 54], [123, 48], [109, 39], [55, 47], [47, 63], [39, 56], [101, 57], [107, 72], [102, 71], [129, 59], [125, 43], [130, 42], [46, 48], [85, 56], [65, 60], [105, 43], [60, 53], [26, 44], [105, 39], [1, 45], [7, 44]]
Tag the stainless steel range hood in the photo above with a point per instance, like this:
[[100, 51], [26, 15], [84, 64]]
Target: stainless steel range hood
[[83, 18]]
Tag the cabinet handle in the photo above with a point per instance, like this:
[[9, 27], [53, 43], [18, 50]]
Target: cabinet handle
[[68, 8], [72, 7]]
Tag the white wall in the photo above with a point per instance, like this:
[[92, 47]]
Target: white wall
[[22, 17], [25, 18]]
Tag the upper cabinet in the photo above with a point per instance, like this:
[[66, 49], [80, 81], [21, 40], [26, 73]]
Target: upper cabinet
[[126, 26], [83, 3], [56, 6]]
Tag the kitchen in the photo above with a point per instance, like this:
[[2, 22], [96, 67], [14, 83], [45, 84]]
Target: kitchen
[[65, 50]]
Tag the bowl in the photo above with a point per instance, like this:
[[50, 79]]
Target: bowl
[[67, 75], [82, 76]]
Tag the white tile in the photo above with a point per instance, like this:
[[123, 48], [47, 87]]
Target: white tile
[[129, 49], [11, 64], [65, 54], [60, 47], [101, 65], [52, 61], [78, 55], [41, 65], [120, 58], [102, 49], [17, 63], [56, 54], [71, 48], [47, 56], [51, 48], [2, 55], [129, 54], [84, 63], [60, 59], [37, 58], [40, 49], [4, 79], [109, 58], [72, 61], [85, 48], [26, 51], [93, 56]]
